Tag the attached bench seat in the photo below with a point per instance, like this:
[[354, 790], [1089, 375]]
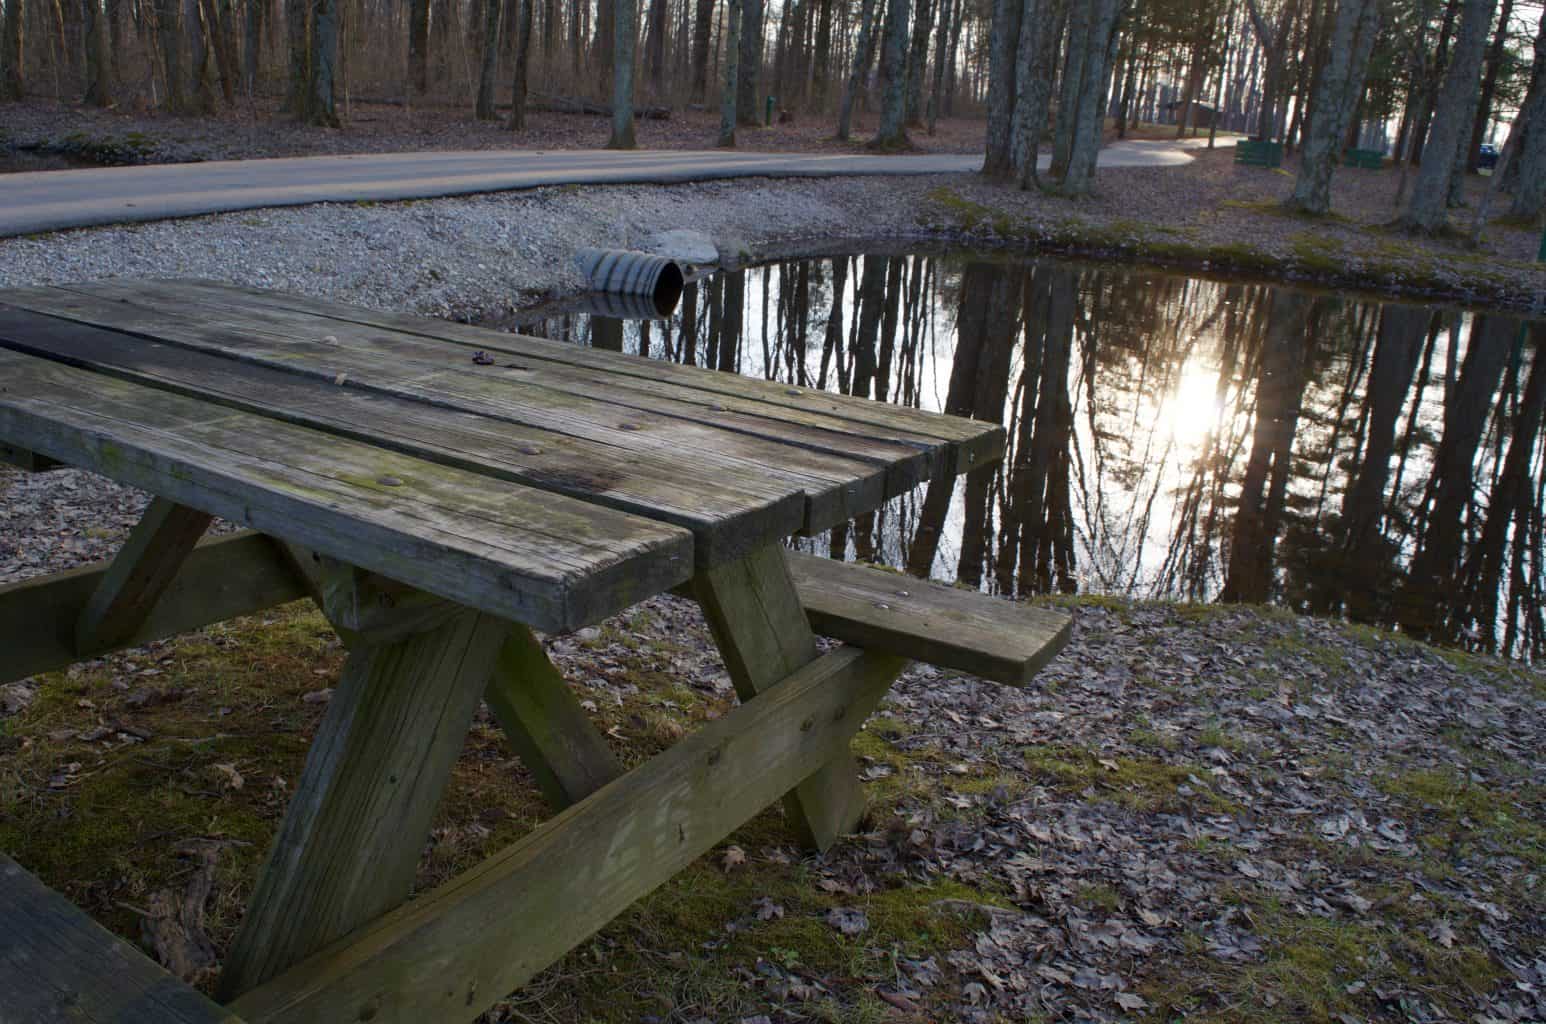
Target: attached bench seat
[[999, 640], [57, 964]]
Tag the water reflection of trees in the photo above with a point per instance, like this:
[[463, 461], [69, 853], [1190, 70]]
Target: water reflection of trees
[[1171, 437]]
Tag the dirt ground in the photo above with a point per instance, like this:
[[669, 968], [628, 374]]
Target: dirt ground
[[262, 131]]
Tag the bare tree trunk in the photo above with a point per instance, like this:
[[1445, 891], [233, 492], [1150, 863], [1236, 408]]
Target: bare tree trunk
[[732, 75], [703, 21], [1427, 211], [1494, 63], [1337, 89], [917, 61], [821, 78], [297, 20], [418, 46], [99, 71], [863, 51], [941, 48], [521, 65], [750, 63], [1530, 129], [626, 33], [1003, 90], [489, 69], [320, 109], [893, 79], [655, 55], [13, 84], [169, 17], [1091, 38]]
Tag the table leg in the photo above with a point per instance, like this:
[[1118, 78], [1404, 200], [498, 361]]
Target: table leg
[[139, 575], [755, 615], [351, 839], [545, 724]]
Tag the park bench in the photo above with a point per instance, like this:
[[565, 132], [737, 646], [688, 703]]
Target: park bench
[[441, 491], [1259, 154]]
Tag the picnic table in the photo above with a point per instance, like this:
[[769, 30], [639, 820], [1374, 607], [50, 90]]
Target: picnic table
[[441, 491]]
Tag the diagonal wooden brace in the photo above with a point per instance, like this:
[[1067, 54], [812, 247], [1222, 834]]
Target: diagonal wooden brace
[[351, 839], [454, 951], [755, 615], [139, 575]]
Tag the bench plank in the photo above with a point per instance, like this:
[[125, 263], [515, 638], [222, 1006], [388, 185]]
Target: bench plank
[[549, 561], [984, 636], [58, 965], [451, 953], [725, 508]]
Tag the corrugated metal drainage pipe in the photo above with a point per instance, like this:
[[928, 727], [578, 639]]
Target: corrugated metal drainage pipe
[[633, 273]]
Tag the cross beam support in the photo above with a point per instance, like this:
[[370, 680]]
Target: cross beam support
[[453, 952]]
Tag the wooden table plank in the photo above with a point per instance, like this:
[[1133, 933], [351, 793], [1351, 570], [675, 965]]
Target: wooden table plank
[[983, 441], [728, 512], [552, 562], [917, 453], [835, 488]]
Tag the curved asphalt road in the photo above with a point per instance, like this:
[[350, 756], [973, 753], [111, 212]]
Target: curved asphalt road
[[49, 200]]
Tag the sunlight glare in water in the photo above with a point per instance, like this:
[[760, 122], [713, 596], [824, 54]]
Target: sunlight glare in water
[[1191, 412]]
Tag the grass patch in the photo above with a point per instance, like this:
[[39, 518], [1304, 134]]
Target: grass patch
[[1142, 784]]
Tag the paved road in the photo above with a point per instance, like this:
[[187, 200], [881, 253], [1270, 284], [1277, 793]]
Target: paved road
[[49, 200]]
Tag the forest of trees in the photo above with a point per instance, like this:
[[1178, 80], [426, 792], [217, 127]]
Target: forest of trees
[[1417, 78], [1168, 437]]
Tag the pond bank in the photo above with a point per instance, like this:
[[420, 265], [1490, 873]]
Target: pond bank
[[487, 256]]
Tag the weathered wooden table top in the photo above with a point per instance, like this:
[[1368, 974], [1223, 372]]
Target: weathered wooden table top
[[554, 485]]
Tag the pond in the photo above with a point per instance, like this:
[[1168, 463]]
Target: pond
[[1168, 437]]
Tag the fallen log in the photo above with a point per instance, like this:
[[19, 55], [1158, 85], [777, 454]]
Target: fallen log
[[576, 105]]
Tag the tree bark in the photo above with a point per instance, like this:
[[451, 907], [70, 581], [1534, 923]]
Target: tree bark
[[893, 79], [731, 87], [1530, 125], [297, 36], [1033, 60], [320, 109], [169, 17], [1427, 210], [1337, 88], [917, 62], [1077, 144], [703, 22], [626, 33], [863, 51], [520, 66], [489, 69], [1003, 91], [418, 46], [13, 83], [1495, 55], [749, 63], [99, 71], [941, 48]]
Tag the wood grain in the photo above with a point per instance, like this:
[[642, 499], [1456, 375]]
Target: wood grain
[[530, 556], [362, 810], [726, 507], [990, 637], [545, 724], [142, 571], [222, 578], [57, 965], [755, 615], [453, 952]]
